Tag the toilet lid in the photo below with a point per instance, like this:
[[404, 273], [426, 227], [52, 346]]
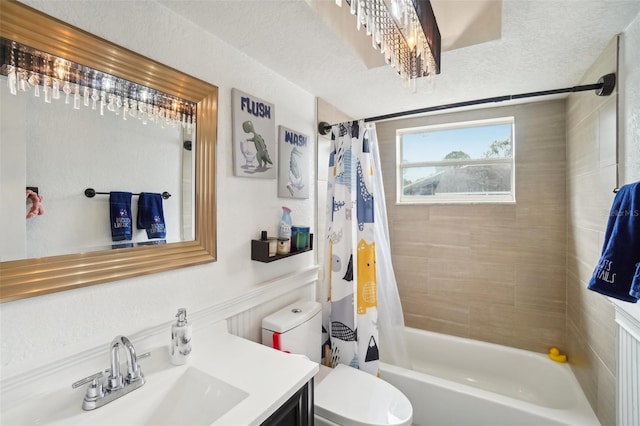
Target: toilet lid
[[351, 397]]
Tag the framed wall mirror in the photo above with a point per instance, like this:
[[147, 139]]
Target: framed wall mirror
[[42, 272]]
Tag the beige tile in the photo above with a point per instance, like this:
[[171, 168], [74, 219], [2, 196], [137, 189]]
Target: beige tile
[[576, 299], [541, 288], [541, 182], [521, 328], [408, 214], [590, 198], [485, 291], [437, 325], [583, 271], [436, 307], [520, 244], [541, 137], [582, 147], [463, 269], [606, 407], [607, 136], [583, 363], [411, 273], [584, 245], [545, 213], [444, 251], [404, 248], [421, 231], [477, 214], [601, 332]]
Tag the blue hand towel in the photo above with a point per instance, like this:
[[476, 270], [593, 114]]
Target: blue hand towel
[[120, 208], [616, 274], [151, 215], [635, 285]]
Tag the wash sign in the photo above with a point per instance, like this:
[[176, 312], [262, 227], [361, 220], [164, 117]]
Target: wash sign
[[294, 164], [296, 139]]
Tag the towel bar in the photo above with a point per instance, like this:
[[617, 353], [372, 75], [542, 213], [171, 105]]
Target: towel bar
[[90, 193]]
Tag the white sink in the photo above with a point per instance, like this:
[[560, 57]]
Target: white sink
[[196, 399], [172, 395]]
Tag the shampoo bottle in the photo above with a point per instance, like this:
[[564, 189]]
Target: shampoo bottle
[[180, 339]]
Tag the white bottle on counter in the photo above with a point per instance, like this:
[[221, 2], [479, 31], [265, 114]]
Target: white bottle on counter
[[180, 339]]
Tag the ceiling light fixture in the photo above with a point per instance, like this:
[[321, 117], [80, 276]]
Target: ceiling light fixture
[[27, 68], [405, 32]]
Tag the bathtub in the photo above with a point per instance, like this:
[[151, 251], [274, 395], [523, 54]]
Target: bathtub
[[457, 381]]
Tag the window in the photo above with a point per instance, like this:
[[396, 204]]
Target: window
[[470, 162]]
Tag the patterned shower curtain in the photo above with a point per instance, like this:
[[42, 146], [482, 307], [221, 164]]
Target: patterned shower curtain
[[351, 327]]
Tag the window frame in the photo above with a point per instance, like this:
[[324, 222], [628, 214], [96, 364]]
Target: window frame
[[468, 198]]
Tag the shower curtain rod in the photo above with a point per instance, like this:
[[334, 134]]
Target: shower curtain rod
[[604, 87]]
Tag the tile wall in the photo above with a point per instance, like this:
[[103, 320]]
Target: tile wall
[[591, 177], [493, 272]]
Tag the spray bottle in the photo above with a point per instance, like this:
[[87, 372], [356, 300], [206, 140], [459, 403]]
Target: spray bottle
[[284, 232]]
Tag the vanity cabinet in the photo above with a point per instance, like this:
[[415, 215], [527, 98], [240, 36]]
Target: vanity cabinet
[[297, 411]]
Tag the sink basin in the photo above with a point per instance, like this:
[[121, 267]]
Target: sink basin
[[196, 399], [172, 395]]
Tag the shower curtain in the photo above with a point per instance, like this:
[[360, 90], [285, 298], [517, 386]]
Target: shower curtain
[[362, 313]]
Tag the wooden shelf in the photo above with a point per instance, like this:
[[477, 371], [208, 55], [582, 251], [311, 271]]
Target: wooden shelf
[[260, 251]]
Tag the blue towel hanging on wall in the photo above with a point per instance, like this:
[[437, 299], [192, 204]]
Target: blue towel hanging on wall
[[120, 212], [151, 215], [618, 271]]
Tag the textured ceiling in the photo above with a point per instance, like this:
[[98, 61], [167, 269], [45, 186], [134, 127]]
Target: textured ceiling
[[545, 44]]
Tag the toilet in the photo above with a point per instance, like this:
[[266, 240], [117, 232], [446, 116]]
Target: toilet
[[343, 395]]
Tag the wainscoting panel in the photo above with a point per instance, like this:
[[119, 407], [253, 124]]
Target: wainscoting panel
[[628, 368]]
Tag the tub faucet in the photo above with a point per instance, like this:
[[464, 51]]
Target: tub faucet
[[99, 393]]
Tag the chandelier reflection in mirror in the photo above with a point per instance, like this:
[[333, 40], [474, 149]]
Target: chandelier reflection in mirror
[[54, 78], [405, 31]]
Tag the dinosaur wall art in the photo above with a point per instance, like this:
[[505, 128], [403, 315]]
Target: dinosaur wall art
[[254, 136], [294, 172]]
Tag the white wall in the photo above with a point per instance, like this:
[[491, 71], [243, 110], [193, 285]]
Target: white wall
[[42, 329]]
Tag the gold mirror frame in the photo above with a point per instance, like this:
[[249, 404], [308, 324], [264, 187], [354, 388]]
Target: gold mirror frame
[[33, 277]]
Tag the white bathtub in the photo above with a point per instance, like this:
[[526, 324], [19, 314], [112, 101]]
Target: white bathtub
[[457, 381]]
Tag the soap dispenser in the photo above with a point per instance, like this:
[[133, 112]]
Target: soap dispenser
[[180, 339]]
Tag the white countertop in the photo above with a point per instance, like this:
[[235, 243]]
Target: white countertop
[[268, 376]]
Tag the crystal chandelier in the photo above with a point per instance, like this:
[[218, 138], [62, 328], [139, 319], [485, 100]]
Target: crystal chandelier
[[405, 32], [53, 78]]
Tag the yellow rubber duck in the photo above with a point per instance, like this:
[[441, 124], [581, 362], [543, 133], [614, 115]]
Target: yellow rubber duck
[[555, 355]]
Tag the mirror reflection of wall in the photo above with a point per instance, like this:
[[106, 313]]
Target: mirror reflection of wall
[[188, 187], [62, 151]]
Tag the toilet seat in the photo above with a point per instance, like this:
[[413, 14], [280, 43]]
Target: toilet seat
[[351, 397]]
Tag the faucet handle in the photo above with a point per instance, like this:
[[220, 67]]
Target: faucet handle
[[91, 378], [136, 374], [95, 391]]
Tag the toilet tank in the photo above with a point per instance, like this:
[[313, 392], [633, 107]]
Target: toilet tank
[[296, 328]]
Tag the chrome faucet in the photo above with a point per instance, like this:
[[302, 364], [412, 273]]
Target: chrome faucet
[[116, 380], [97, 393]]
